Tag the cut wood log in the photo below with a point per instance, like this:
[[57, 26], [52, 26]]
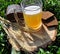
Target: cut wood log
[[51, 31], [28, 41]]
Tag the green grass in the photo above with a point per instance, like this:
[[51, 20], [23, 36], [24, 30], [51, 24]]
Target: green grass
[[48, 5]]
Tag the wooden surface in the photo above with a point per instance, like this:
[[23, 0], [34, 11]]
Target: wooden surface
[[28, 41], [40, 38]]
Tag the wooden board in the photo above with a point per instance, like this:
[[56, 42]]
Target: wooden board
[[28, 41], [41, 38]]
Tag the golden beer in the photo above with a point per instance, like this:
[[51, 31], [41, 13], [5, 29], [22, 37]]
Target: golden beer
[[32, 17]]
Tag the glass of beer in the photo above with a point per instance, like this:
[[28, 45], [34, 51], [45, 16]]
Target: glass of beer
[[32, 12]]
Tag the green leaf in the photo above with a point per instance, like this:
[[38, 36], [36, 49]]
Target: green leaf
[[58, 52], [41, 51], [15, 52]]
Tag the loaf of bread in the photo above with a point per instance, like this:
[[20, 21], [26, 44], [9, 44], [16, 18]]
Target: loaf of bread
[[10, 12]]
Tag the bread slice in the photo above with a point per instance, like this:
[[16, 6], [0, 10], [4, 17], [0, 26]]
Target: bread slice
[[49, 19], [52, 23]]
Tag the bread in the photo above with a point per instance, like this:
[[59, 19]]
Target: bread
[[49, 19]]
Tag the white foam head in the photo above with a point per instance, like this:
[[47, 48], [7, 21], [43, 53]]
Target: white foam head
[[31, 10]]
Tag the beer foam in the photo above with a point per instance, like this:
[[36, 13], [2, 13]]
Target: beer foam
[[31, 10]]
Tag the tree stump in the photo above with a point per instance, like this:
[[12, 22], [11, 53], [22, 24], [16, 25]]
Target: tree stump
[[28, 41], [38, 39]]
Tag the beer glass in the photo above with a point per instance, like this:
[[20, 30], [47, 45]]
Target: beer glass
[[32, 12]]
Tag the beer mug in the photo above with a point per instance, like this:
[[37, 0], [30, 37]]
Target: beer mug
[[32, 12]]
